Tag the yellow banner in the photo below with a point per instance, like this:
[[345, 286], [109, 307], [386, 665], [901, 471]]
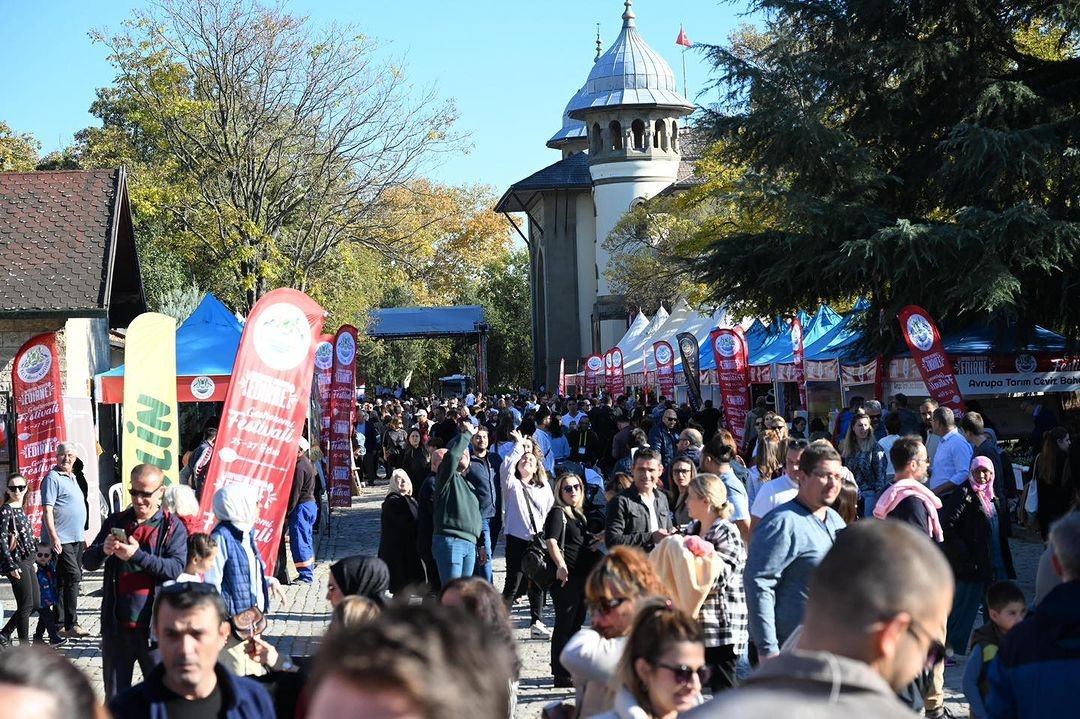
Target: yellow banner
[[151, 420]]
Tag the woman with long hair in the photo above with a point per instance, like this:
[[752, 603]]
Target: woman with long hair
[[394, 443], [572, 549], [17, 547], [398, 533], [615, 589], [738, 468], [768, 463], [527, 498], [723, 615], [1053, 472], [681, 472], [862, 454], [975, 546], [417, 461], [663, 667], [477, 597]]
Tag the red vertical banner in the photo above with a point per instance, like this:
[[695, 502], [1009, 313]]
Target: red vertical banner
[[324, 372], [665, 369], [645, 370], [618, 381], [607, 372], [924, 341], [800, 366], [39, 416], [562, 376], [342, 416], [263, 418], [733, 376], [594, 368]]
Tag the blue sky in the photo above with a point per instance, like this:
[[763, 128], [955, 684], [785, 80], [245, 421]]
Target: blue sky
[[510, 66]]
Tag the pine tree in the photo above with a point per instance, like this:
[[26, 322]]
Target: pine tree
[[921, 152]]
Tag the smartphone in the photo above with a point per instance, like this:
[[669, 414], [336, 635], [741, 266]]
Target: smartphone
[[120, 534]]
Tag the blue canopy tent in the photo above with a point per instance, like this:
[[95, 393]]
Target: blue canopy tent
[[206, 346]]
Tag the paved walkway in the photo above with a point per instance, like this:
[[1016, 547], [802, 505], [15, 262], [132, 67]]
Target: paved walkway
[[297, 627]]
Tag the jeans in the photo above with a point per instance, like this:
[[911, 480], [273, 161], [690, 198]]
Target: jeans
[[455, 557], [48, 622], [68, 577], [870, 498], [301, 526], [485, 570], [27, 598], [120, 649], [516, 582]]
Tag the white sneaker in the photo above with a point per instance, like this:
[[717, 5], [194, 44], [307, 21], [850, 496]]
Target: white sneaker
[[539, 631]]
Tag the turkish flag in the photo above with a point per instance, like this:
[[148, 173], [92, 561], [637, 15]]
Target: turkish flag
[[683, 39]]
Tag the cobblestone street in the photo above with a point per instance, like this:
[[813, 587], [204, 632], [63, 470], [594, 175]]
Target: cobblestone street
[[296, 628]]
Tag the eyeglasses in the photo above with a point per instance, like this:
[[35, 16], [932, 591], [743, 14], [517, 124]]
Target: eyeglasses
[[685, 674], [16, 488], [571, 488], [606, 606], [937, 652], [140, 494]]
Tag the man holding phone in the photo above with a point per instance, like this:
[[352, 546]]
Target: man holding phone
[[141, 547]]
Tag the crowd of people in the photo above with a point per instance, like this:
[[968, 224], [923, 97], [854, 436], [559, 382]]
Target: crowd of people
[[805, 571]]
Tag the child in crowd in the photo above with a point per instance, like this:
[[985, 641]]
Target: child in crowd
[[202, 549], [1008, 608], [48, 613]]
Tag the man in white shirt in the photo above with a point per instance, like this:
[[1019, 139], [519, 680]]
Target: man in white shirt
[[573, 414], [892, 427], [782, 489], [926, 412], [951, 462]]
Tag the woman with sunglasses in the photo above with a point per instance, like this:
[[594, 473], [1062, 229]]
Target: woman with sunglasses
[[17, 546], [614, 589], [663, 669], [573, 550]]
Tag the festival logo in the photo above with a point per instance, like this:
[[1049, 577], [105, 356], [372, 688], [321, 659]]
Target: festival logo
[[346, 348], [727, 345], [282, 336], [34, 364], [1026, 363], [594, 363], [616, 358], [796, 333], [663, 354], [324, 355], [202, 388], [921, 332]]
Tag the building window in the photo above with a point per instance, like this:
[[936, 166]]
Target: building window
[[638, 130], [597, 144], [616, 135], [660, 136], [674, 136]]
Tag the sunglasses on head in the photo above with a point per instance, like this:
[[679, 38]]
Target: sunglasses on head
[[684, 674]]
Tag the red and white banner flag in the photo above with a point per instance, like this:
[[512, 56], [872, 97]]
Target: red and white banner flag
[[594, 368], [324, 373], [645, 369], [562, 376], [39, 416], [924, 341], [800, 366], [665, 369], [609, 382], [618, 382], [342, 416], [683, 39], [732, 373], [263, 418]]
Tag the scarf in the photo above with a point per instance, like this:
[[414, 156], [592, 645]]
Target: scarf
[[237, 504], [985, 492], [363, 576], [901, 490]]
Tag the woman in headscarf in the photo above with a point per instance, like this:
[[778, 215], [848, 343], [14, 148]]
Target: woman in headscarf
[[358, 576], [397, 538], [238, 571], [977, 550]]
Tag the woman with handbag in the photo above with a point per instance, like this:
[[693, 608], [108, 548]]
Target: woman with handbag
[[528, 500], [572, 549], [17, 547]]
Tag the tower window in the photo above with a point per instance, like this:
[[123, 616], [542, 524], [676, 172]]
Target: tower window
[[674, 136], [660, 136], [616, 135], [597, 145], [637, 128]]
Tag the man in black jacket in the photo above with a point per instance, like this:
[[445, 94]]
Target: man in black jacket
[[640, 516]]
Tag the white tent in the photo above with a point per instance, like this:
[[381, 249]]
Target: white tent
[[680, 313], [636, 328], [632, 351]]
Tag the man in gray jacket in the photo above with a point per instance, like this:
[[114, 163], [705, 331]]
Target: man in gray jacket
[[872, 624]]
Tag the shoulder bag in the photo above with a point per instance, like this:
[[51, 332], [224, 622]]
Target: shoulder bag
[[536, 563]]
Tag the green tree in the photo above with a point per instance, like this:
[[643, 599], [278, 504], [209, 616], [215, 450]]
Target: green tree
[[911, 152], [18, 151], [281, 138]]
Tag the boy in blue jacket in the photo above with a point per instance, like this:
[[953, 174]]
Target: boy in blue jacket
[[49, 613]]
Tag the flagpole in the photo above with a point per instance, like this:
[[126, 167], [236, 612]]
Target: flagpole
[[684, 73]]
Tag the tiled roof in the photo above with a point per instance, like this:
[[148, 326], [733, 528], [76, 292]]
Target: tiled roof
[[58, 239], [570, 173]]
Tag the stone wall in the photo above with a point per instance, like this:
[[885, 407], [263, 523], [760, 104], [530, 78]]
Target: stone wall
[[13, 333]]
